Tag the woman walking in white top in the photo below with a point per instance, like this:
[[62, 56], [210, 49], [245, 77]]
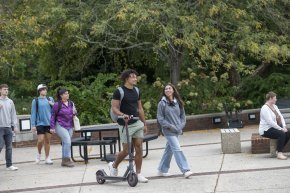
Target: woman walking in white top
[[272, 124]]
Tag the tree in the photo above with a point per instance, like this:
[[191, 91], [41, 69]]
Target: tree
[[73, 39]]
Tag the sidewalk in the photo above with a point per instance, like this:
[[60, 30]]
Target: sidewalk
[[213, 171]]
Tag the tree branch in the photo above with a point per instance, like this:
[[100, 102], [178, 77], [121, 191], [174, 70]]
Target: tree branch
[[114, 48]]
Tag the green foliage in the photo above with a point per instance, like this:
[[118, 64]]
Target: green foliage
[[92, 97], [204, 94], [214, 46], [256, 87]]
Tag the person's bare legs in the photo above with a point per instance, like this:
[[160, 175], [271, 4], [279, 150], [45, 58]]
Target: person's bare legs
[[39, 145], [40, 140], [137, 143], [47, 137], [121, 155]]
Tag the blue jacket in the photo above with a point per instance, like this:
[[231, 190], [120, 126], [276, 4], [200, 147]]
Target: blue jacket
[[44, 112]]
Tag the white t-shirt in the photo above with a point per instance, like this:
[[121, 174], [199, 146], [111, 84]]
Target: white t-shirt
[[268, 119]]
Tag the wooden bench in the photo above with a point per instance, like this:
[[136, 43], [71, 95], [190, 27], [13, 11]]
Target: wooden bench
[[230, 140], [261, 144]]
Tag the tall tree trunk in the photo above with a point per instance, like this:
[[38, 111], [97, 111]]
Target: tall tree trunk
[[175, 62], [234, 76]]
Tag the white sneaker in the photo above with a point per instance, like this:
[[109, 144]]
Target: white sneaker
[[48, 161], [37, 159], [187, 174], [142, 179], [163, 174], [281, 156], [12, 168], [113, 171]]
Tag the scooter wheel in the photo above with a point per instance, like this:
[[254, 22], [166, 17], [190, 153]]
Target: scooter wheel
[[132, 179], [100, 176]]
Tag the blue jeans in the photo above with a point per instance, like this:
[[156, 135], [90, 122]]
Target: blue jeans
[[6, 136], [173, 148], [65, 136]]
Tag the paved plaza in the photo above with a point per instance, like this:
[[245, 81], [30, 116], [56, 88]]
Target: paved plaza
[[213, 171]]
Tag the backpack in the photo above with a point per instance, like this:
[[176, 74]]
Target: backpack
[[114, 117]]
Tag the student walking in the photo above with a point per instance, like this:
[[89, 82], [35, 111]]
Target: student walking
[[272, 124], [171, 117], [8, 121], [40, 122], [126, 102], [62, 123]]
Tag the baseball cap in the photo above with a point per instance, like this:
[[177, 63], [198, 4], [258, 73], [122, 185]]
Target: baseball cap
[[41, 86]]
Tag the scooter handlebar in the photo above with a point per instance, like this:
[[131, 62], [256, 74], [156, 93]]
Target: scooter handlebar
[[130, 117]]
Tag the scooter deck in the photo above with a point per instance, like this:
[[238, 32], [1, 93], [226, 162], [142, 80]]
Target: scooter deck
[[115, 178]]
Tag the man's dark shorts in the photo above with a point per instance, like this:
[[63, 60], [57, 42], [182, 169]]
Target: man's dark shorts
[[41, 130]]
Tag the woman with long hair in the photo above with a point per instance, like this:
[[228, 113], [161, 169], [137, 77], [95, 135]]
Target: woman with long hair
[[171, 117]]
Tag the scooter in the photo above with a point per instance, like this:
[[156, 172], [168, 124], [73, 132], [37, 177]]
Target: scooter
[[130, 174]]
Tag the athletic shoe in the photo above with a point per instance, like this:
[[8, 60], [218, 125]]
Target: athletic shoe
[[187, 174], [48, 161], [142, 179], [281, 156], [113, 171], [163, 174], [37, 159], [12, 168]]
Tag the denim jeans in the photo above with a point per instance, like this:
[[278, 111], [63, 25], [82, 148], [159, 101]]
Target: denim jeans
[[173, 148], [65, 136], [6, 136]]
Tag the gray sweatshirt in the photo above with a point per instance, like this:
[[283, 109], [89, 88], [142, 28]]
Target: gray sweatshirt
[[170, 117], [8, 116]]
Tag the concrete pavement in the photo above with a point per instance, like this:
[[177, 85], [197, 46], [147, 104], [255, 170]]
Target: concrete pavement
[[213, 171]]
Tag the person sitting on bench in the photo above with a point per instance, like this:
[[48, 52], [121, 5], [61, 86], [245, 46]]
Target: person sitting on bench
[[272, 124]]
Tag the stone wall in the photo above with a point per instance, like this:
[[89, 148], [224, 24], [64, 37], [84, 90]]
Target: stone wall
[[194, 122]]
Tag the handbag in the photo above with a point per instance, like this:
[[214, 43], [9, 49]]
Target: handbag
[[278, 119], [77, 125]]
